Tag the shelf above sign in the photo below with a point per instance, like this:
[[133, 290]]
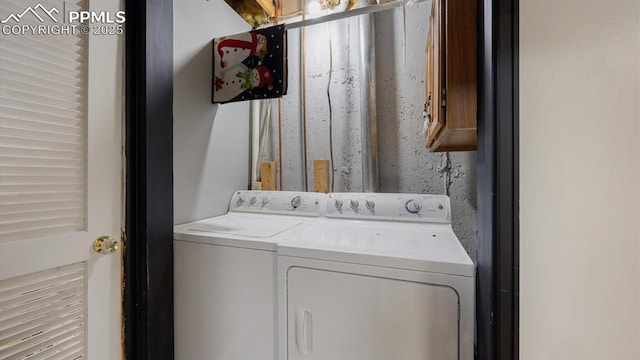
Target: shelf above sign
[[300, 13]]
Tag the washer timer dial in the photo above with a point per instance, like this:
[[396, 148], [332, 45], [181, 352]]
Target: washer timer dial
[[413, 206], [296, 202]]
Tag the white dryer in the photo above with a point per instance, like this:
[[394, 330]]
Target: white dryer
[[224, 276], [383, 277]]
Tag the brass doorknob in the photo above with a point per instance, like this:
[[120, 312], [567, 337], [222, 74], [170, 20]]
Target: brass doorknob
[[105, 245]]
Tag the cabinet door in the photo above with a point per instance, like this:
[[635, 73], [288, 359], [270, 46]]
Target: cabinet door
[[435, 72], [334, 315], [429, 83]]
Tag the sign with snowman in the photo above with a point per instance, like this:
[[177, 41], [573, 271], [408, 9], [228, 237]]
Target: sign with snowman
[[249, 66]]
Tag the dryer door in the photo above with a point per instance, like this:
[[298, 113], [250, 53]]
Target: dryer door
[[333, 315]]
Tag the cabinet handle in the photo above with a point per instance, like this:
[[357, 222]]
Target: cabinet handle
[[304, 327]]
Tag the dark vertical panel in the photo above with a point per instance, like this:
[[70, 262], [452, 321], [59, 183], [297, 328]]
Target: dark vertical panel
[[159, 184], [148, 255], [486, 190], [505, 172], [135, 215], [516, 178], [497, 277]]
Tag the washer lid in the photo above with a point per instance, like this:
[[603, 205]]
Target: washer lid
[[422, 247], [239, 230]]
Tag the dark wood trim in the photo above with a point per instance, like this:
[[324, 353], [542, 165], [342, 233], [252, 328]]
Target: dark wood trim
[[497, 311], [148, 249]]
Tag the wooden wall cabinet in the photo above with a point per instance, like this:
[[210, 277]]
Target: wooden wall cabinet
[[450, 76]]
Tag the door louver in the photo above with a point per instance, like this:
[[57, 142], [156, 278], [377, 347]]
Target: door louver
[[43, 95], [43, 315]]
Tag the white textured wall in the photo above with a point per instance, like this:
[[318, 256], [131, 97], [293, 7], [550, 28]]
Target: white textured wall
[[211, 158], [405, 165], [580, 180]]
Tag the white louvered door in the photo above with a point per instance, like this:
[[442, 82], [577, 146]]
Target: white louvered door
[[60, 186]]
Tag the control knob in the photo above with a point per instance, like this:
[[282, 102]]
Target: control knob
[[265, 201], [354, 204], [241, 200], [413, 206], [338, 204], [296, 202], [370, 204], [253, 200]]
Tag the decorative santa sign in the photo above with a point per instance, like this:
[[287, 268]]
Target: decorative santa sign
[[251, 65]]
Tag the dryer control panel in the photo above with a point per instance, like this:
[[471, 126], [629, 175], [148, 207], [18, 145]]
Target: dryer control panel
[[396, 207], [278, 202]]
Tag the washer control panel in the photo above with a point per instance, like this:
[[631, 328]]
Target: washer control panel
[[399, 207], [278, 202]]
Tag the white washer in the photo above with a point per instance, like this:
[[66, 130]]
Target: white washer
[[224, 272], [382, 277]]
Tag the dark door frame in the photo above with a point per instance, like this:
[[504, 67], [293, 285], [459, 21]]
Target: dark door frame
[[497, 301], [148, 248]]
